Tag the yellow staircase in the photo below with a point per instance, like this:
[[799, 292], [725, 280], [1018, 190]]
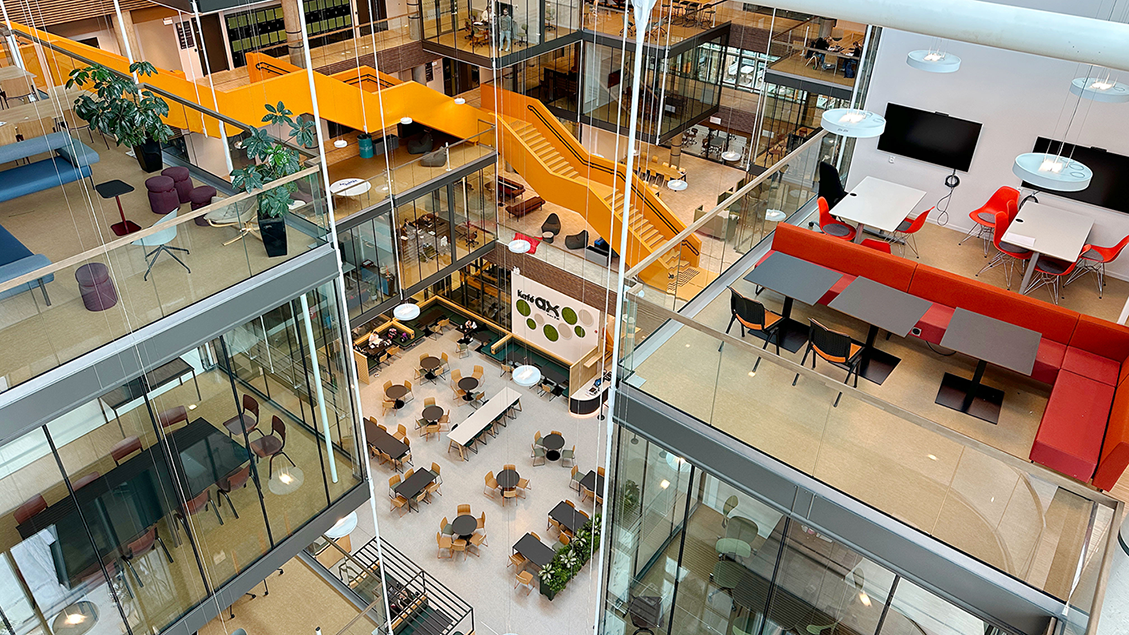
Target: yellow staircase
[[542, 147], [649, 235]]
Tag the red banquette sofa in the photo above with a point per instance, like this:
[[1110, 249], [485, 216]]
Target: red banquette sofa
[[1084, 432]]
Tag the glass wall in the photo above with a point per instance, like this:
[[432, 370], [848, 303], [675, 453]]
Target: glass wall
[[492, 28], [128, 511], [690, 553], [369, 264]]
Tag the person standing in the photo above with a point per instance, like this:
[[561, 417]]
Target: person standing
[[506, 29]]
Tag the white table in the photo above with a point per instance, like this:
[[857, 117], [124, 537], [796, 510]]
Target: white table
[[464, 433], [1049, 231], [877, 203], [350, 187]]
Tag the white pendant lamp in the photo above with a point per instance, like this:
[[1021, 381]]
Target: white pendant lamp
[[406, 311], [340, 143], [932, 61], [1100, 89], [526, 375], [406, 120], [851, 122], [1052, 172], [775, 215], [519, 246], [459, 101], [731, 155]]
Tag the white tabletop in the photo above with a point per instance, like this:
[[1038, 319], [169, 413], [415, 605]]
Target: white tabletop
[[350, 187], [13, 72], [1049, 230], [488, 412], [877, 203]]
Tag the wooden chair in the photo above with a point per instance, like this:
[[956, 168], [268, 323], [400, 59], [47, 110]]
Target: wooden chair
[[476, 541], [435, 468], [124, 449], [410, 394], [464, 509], [509, 466], [523, 485], [386, 406], [537, 438], [482, 528], [430, 429], [457, 545], [524, 578], [507, 369], [557, 432], [409, 473], [402, 430], [562, 540], [517, 560], [445, 527], [478, 371], [509, 493], [443, 542], [428, 401], [393, 481], [400, 503], [570, 455], [576, 478], [387, 385], [537, 453], [491, 484], [553, 524], [446, 365]]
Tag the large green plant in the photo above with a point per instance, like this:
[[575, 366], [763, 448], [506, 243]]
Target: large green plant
[[274, 159], [119, 106], [571, 558]]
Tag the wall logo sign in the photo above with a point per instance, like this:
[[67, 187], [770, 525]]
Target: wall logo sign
[[540, 303], [546, 317]]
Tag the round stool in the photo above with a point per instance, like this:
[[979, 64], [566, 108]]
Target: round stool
[[162, 194], [201, 197], [98, 293], [182, 181]]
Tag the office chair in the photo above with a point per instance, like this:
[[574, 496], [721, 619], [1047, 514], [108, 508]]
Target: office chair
[[835, 347], [907, 228], [830, 226], [1007, 254], [984, 218], [1093, 260], [752, 315], [830, 185]]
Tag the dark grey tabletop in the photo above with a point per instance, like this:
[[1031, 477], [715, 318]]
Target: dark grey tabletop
[[414, 484], [464, 525], [568, 516], [468, 383], [992, 340], [154, 379], [110, 189], [794, 278], [508, 479], [433, 413], [429, 363], [553, 442], [534, 550], [885, 307], [384, 442], [593, 482], [396, 392]]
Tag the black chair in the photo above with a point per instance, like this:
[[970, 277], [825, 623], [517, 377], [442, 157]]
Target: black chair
[[551, 227], [830, 185], [835, 347], [577, 241], [752, 315]]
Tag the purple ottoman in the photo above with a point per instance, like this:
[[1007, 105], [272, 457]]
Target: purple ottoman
[[98, 293], [162, 194], [181, 180], [201, 197]]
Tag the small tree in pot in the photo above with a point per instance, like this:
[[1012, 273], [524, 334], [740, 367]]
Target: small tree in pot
[[274, 161], [120, 108]]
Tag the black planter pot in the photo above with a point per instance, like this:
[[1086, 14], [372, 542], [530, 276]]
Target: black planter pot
[[547, 592], [149, 156], [273, 231]]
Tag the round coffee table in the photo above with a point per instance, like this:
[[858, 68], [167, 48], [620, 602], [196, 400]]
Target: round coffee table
[[430, 364], [465, 525], [467, 385], [433, 413], [552, 444], [396, 393], [507, 479]]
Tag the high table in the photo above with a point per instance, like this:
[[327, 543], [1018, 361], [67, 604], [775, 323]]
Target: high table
[[114, 189], [989, 340], [877, 203], [534, 550], [1047, 230], [882, 307], [793, 278]]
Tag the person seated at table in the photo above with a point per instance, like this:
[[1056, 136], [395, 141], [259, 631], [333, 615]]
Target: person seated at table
[[817, 46], [851, 64], [469, 328], [373, 339], [486, 17]]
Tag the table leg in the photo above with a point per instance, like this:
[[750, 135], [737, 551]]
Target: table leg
[[876, 365], [860, 232], [791, 334], [971, 396], [126, 226], [1028, 272]]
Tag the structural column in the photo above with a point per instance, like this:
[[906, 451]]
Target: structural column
[[292, 21], [676, 150], [126, 35]]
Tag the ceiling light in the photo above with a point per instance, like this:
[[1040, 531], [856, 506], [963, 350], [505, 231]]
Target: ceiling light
[[731, 155], [1100, 89], [933, 61], [286, 480], [76, 619], [459, 101], [850, 122], [340, 143], [519, 246], [932, 457], [406, 311], [1052, 172], [864, 598], [526, 375], [677, 185], [775, 215], [342, 527], [405, 120], [665, 484]]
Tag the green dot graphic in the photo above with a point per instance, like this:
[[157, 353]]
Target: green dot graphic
[[579, 331], [551, 333], [523, 308], [531, 324], [569, 315]]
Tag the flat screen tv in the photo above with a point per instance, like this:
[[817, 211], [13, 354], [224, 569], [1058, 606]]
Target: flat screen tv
[[1109, 187], [932, 137]]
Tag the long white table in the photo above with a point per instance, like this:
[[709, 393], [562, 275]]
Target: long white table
[[465, 432], [1050, 231], [877, 203]]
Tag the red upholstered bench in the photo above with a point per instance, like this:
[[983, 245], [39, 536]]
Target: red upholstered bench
[[517, 210], [1115, 448], [1070, 434]]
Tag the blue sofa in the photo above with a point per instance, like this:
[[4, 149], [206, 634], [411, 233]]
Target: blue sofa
[[70, 161], [17, 260]]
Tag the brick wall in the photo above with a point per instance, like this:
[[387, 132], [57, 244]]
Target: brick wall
[[569, 284], [391, 61]]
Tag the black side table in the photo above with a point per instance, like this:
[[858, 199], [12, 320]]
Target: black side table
[[115, 189]]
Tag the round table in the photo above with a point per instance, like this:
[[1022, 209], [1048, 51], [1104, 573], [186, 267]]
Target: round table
[[507, 479], [552, 444], [677, 185], [430, 364], [352, 187], [396, 393], [468, 384], [433, 413], [464, 526]]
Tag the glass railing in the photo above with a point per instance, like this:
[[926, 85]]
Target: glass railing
[[64, 309], [797, 52], [1018, 517], [741, 219], [364, 39]]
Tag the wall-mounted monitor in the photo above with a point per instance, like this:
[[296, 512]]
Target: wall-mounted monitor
[[932, 137], [1109, 187]]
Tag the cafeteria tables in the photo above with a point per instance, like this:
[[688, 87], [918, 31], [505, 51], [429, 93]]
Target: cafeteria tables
[[508, 479], [397, 392], [568, 516], [1049, 231], [464, 433], [433, 413], [430, 365], [379, 439], [794, 278], [881, 307], [464, 525], [467, 385], [534, 550], [988, 340], [164, 374], [877, 203], [552, 444], [411, 487], [593, 482]]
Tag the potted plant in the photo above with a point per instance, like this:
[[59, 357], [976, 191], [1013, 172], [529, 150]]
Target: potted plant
[[553, 579], [274, 160], [629, 497], [120, 108]]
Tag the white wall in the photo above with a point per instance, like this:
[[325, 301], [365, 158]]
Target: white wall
[[1017, 97]]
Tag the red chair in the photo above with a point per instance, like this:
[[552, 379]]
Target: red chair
[[30, 508], [907, 228], [877, 245], [247, 420], [1048, 272], [1007, 254], [86, 480], [232, 482], [140, 546], [124, 448], [272, 444], [985, 217], [1093, 261], [192, 507], [173, 416], [830, 226]]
